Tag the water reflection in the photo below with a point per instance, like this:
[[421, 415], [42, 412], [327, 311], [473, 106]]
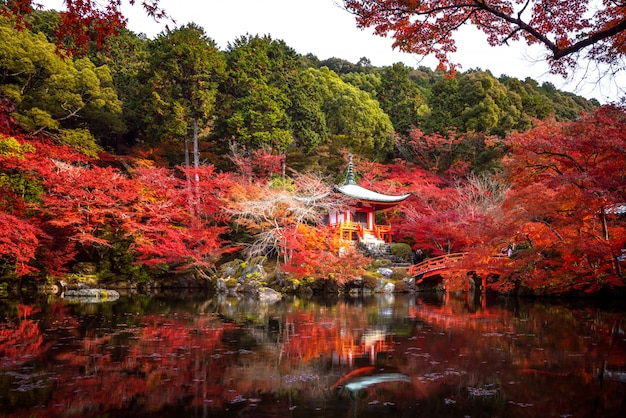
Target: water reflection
[[394, 355]]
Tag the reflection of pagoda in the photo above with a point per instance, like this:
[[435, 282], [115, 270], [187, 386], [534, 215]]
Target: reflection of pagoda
[[358, 222], [363, 351]]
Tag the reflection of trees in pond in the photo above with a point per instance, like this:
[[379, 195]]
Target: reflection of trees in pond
[[524, 348], [20, 338], [186, 356], [158, 363]]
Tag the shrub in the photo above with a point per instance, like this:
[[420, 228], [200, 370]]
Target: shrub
[[379, 263], [401, 251], [399, 274], [370, 280], [400, 286]]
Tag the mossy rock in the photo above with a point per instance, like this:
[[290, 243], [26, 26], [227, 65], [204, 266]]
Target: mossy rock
[[261, 260], [400, 286], [232, 268], [399, 274], [78, 280], [231, 282], [253, 273]]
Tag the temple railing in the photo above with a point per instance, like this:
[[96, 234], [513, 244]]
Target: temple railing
[[383, 232], [346, 229]]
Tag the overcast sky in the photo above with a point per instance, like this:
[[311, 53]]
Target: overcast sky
[[323, 28]]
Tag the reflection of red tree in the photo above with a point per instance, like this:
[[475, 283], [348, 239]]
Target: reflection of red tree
[[160, 365], [456, 314], [21, 339], [546, 339], [172, 361], [20, 342]]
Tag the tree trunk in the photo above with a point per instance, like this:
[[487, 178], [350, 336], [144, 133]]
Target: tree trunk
[[186, 153], [605, 227], [196, 153]]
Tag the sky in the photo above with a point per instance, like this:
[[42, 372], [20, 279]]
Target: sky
[[323, 28]]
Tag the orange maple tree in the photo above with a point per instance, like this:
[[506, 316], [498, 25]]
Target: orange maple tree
[[319, 253]]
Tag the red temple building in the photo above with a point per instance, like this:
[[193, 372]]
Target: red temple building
[[358, 223]]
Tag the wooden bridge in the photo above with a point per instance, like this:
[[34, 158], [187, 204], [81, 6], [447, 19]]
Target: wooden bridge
[[451, 262], [431, 266]]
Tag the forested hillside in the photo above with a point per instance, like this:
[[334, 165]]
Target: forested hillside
[[147, 156]]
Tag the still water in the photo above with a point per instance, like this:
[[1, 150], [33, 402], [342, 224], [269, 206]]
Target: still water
[[381, 356]]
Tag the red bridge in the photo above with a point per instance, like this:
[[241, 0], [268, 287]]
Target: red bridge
[[452, 263], [431, 266]]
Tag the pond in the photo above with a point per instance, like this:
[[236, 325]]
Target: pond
[[385, 355]]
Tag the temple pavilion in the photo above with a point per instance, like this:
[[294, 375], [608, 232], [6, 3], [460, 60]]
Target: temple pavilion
[[358, 222]]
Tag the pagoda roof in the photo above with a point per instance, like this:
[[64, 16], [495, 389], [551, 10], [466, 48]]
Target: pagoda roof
[[361, 193], [353, 190]]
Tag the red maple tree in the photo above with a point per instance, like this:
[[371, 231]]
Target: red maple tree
[[566, 206], [564, 28]]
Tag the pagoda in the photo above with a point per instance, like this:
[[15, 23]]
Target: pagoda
[[358, 222]]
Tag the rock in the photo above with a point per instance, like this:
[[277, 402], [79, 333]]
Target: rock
[[389, 288], [268, 295], [254, 272], [410, 283], [91, 295], [385, 272], [221, 285], [231, 268], [251, 287]]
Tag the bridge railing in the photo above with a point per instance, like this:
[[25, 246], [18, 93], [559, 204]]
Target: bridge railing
[[436, 263]]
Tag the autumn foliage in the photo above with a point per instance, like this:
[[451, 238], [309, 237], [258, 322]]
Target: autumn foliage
[[60, 207], [567, 207], [85, 21], [563, 28], [318, 253], [539, 210]]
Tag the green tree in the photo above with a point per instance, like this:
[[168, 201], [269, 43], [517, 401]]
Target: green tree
[[534, 105], [355, 120], [445, 107], [369, 82], [63, 97], [253, 99], [488, 106], [399, 97], [126, 54], [306, 112], [184, 70], [341, 66]]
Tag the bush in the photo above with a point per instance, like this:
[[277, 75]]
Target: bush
[[370, 280], [400, 286], [401, 251], [379, 263], [399, 274]]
